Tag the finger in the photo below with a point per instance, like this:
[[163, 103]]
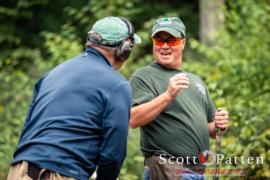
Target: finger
[[182, 81], [221, 113], [225, 115], [222, 126], [222, 122], [179, 82], [181, 74], [183, 86], [180, 77], [173, 80], [219, 109], [221, 118], [180, 86]]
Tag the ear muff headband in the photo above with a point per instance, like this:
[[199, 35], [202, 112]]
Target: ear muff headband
[[123, 51], [130, 28]]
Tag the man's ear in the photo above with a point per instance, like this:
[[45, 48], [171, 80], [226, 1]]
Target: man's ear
[[183, 44]]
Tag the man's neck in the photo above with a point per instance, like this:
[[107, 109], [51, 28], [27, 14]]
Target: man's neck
[[109, 55]]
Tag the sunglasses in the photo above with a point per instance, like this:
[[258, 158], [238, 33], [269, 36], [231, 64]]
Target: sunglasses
[[173, 41]]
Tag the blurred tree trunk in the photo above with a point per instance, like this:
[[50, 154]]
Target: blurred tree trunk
[[211, 18]]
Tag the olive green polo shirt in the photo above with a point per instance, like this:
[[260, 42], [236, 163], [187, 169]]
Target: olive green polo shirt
[[181, 130]]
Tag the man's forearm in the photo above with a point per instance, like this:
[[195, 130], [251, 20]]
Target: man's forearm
[[145, 113]]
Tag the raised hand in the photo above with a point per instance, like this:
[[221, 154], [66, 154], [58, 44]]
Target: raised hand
[[177, 83]]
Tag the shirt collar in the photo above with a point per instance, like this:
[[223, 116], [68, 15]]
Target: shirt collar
[[97, 53], [167, 69]]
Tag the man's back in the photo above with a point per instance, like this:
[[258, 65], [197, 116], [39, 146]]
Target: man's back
[[64, 129]]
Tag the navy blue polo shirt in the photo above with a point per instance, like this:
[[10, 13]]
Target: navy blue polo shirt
[[78, 119]]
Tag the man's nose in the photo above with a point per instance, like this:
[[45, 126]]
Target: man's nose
[[165, 46]]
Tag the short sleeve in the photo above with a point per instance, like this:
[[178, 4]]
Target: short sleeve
[[141, 91], [211, 109]]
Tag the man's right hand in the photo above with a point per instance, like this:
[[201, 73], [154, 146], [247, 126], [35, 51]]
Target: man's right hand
[[176, 84], [147, 112]]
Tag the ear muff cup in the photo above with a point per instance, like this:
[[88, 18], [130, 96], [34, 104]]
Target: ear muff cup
[[123, 51]]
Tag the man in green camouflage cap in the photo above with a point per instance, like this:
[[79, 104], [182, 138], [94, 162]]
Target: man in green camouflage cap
[[172, 25], [173, 108], [79, 116], [112, 31]]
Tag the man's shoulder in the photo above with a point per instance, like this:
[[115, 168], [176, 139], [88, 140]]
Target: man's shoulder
[[196, 78], [113, 79], [145, 70], [193, 76]]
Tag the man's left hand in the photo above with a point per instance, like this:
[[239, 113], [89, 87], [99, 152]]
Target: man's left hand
[[221, 119]]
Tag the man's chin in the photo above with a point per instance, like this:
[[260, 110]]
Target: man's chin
[[165, 57], [166, 60]]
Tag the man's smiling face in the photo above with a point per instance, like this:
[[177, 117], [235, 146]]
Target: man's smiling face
[[168, 53]]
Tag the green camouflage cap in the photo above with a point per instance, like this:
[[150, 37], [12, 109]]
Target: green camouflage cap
[[172, 25], [111, 31]]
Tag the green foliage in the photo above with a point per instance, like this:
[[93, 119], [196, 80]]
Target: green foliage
[[35, 36], [16, 90], [133, 164], [60, 48], [240, 81]]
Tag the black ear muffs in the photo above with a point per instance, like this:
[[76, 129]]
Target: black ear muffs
[[124, 49]]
